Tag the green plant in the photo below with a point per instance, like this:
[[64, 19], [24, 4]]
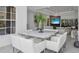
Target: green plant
[[40, 19], [54, 27]]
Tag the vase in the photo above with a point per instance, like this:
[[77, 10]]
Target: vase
[[41, 27]]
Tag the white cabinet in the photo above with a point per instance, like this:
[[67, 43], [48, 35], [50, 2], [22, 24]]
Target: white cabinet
[[5, 40]]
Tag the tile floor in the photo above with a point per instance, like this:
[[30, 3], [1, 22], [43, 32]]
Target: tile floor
[[69, 48]]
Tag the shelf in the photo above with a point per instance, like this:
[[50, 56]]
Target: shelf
[[7, 30], [68, 22], [3, 8], [3, 28], [8, 9], [13, 23], [8, 16], [13, 16], [12, 30], [11, 9], [2, 31], [2, 15], [8, 23], [3, 19], [13, 27], [2, 24], [7, 20], [10, 19]]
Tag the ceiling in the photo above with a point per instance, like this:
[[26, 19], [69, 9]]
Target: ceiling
[[53, 9], [35, 8]]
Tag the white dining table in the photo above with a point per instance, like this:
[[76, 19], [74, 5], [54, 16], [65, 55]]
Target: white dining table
[[45, 34]]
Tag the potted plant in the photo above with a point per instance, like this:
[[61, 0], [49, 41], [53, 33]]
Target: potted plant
[[40, 20], [54, 27]]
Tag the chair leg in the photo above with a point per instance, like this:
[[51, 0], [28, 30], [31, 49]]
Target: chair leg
[[61, 50], [44, 50], [13, 50], [64, 46]]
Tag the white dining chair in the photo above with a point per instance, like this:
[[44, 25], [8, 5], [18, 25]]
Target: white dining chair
[[78, 35], [16, 44], [26, 45], [56, 42]]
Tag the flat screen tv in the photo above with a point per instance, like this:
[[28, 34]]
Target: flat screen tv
[[55, 20]]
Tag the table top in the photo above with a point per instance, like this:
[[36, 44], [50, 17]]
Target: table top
[[45, 34]]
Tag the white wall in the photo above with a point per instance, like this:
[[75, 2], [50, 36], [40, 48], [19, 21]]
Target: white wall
[[78, 23], [64, 15], [78, 18], [68, 15], [30, 19], [21, 19]]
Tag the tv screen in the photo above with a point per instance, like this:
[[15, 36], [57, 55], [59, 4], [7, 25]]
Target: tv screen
[[55, 21]]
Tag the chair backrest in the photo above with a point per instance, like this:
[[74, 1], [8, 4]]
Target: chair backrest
[[78, 35], [23, 44], [16, 41], [27, 45], [62, 39]]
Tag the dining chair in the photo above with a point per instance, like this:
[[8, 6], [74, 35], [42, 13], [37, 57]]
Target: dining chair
[[28, 45], [56, 43]]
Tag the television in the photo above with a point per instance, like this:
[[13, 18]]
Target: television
[[55, 20]]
